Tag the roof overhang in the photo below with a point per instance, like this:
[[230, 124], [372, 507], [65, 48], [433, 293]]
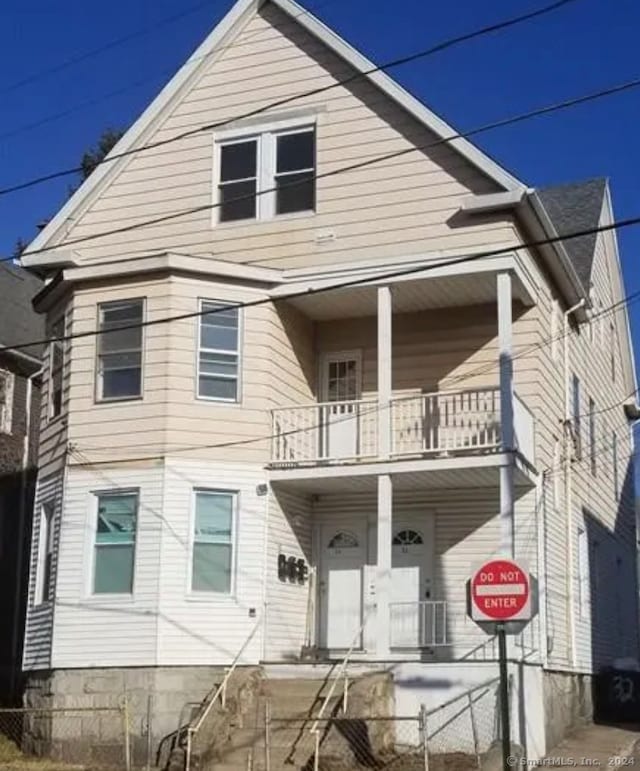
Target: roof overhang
[[531, 212], [140, 131]]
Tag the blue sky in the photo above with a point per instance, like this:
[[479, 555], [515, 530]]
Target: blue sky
[[585, 46]]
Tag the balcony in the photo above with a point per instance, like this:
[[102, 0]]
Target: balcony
[[440, 424]]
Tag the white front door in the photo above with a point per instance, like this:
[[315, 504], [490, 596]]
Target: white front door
[[342, 388], [343, 558], [411, 588]]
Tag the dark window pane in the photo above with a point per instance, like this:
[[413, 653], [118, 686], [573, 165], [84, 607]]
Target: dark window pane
[[118, 383], [217, 388], [237, 201], [295, 192], [113, 570], [110, 361], [121, 313], [218, 337], [296, 151], [218, 364], [120, 340], [238, 161], [211, 567]]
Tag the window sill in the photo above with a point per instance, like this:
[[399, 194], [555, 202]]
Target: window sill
[[115, 599], [224, 402], [119, 399], [56, 419], [253, 221]]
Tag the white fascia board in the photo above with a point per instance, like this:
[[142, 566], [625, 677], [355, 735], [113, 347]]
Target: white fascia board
[[608, 218], [225, 28], [137, 132], [386, 84], [475, 204], [173, 262]]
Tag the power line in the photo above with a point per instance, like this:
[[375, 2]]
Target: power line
[[619, 224], [80, 58], [449, 43], [342, 170], [242, 40]]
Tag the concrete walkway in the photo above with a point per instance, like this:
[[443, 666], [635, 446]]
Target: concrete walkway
[[597, 746]]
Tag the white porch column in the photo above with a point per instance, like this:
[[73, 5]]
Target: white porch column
[[384, 371], [383, 568], [505, 345]]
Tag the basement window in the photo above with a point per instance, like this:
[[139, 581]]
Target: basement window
[[265, 175]]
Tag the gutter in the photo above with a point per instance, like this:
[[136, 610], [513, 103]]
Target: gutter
[[568, 485]]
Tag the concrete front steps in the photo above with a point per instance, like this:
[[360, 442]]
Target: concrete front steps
[[236, 739]]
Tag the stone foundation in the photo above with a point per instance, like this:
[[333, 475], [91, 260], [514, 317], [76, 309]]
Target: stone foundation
[[157, 698], [567, 701]]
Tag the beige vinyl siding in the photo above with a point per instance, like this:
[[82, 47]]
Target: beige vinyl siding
[[93, 630], [402, 205], [203, 627], [288, 609], [39, 620]]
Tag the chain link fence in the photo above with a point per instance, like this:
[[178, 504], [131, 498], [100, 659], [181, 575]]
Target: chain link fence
[[99, 737]]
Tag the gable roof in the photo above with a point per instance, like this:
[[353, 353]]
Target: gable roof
[[226, 28], [19, 323], [577, 206]]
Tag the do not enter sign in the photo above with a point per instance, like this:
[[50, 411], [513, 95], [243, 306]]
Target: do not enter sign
[[500, 591]]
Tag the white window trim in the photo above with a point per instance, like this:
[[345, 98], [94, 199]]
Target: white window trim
[[239, 353], [555, 330], [50, 416], [213, 596], [265, 136], [6, 410], [46, 506], [90, 594], [584, 574], [99, 399]]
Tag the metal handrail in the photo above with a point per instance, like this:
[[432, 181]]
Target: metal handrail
[[219, 692], [342, 672]]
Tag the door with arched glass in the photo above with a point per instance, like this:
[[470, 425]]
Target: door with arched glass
[[341, 584]]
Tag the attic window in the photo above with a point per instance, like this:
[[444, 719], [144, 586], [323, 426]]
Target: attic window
[[266, 175]]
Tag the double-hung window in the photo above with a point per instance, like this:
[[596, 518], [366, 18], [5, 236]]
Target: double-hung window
[[45, 554], [592, 436], [120, 349], [219, 351], [213, 532], [56, 367], [115, 542], [6, 401], [267, 174]]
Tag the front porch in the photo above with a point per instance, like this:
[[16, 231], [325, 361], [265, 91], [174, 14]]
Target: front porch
[[389, 555]]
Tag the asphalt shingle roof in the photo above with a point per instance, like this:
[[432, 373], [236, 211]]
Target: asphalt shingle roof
[[576, 206], [19, 323]]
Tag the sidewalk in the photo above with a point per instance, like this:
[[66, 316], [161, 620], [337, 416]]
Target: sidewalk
[[599, 746]]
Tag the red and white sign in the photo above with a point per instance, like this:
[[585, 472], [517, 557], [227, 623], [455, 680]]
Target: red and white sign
[[500, 591]]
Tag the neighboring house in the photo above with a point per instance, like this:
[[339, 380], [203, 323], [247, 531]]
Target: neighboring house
[[19, 411], [192, 472]]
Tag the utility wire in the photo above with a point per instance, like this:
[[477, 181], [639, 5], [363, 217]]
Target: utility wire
[[242, 40], [341, 170], [449, 43], [81, 58], [425, 268]]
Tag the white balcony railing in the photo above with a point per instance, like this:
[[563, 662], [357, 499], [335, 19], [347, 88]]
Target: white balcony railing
[[418, 624], [433, 424], [325, 431]]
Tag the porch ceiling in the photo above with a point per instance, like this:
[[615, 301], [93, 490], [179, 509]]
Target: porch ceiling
[[418, 293], [406, 476]]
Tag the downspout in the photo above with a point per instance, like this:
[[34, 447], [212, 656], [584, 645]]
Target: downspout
[[568, 484], [22, 508]]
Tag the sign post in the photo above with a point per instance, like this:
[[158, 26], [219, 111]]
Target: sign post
[[499, 599]]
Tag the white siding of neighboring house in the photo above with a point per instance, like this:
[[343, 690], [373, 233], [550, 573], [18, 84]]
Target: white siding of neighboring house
[[40, 618]]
